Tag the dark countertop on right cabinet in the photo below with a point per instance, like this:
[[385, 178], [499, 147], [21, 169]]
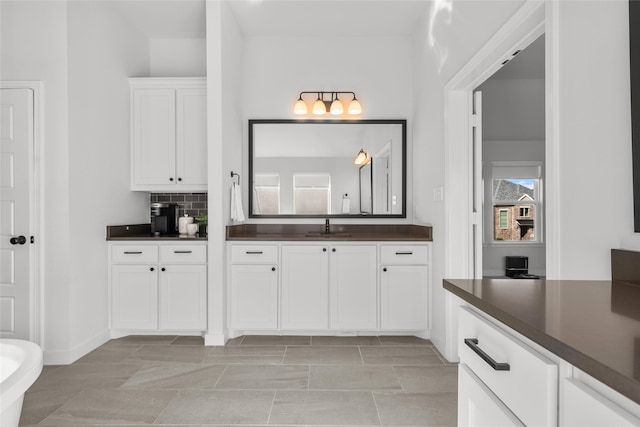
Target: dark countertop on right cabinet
[[594, 325]]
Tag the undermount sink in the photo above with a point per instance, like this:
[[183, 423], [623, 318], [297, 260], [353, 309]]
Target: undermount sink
[[325, 235]]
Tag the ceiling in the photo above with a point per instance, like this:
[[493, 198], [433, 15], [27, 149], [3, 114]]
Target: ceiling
[[186, 18], [328, 17], [528, 64]]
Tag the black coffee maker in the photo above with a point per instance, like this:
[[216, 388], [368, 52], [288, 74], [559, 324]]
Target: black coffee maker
[[164, 219]]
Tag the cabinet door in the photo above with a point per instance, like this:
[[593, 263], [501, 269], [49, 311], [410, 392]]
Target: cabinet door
[[584, 407], [183, 297], [304, 287], [403, 297], [134, 297], [254, 297], [352, 287], [191, 137], [478, 406], [154, 138]]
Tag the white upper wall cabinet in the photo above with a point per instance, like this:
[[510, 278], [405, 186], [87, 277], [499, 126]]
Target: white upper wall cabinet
[[168, 134]]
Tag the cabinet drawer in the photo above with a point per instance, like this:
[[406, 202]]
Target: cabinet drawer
[[254, 254], [528, 385], [183, 253], [134, 254], [404, 254]]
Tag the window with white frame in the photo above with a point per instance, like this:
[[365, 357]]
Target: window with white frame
[[516, 197], [266, 187], [312, 194]]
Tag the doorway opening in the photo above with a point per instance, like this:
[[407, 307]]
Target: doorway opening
[[512, 157]]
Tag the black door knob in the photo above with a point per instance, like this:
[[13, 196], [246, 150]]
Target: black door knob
[[151, 269], [20, 240], [384, 269], [163, 269], [273, 269], [333, 250], [324, 249]]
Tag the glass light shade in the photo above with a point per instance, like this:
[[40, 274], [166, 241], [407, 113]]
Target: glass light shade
[[336, 107], [355, 107], [300, 107], [361, 158], [319, 108]]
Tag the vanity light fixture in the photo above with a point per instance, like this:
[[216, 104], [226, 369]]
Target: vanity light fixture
[[327, 102], [362, 158]]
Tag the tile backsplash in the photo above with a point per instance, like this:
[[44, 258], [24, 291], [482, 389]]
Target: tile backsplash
[[193, 204]]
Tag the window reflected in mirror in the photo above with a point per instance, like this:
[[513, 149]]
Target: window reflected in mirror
[[309, 168]]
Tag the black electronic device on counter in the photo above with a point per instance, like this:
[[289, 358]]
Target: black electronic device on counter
[[517, 266], [164, 219]]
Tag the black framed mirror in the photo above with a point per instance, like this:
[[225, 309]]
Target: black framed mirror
[[314, 168]]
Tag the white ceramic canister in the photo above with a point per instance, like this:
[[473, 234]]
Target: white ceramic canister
[[182, 223], [192, 229]]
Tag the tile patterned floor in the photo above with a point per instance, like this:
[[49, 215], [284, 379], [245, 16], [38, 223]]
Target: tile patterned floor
[[255, 380]]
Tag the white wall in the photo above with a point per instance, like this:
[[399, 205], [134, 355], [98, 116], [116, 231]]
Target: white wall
[[34, 47], [513, 109], [104, 50], [177, 58], [594, 146], [378, 69], [440, 49], [225, 151]]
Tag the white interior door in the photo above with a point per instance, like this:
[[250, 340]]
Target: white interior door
[[16, 145], [478, 187]]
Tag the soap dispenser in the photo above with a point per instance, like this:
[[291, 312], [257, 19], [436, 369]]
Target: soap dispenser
[[346, 204]]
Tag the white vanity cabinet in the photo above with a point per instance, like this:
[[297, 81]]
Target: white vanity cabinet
[[352, 287], [328, 287], [537, 388], [584, 406], [158, 286], [253, 293], [305, 287], [168, 134], [404, 279], [513, 372]]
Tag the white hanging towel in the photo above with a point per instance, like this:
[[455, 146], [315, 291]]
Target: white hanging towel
[[236, 203]]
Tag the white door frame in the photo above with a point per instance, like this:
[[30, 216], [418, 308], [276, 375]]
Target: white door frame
[[534, 18], [36, 196]]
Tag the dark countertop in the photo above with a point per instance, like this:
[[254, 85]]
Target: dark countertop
[[340, 232], [594, 325], [142, 232]]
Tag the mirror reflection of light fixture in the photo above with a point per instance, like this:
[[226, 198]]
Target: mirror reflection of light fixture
[[322, 105], [362, 158]]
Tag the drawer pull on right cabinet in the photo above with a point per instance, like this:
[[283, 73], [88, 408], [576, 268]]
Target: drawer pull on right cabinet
[[404, 253], [132, 252], [182, 252], [254, 252], [472, 343]]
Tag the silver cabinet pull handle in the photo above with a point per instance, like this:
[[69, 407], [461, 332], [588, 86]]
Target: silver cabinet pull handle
[[404, 253], [182, 252], [254, 252], [132, 252], [472, 343]]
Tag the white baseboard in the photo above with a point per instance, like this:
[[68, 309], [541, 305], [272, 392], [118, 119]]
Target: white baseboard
[[66, 357]]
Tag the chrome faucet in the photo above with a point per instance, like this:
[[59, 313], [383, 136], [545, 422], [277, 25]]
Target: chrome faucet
[[327, 226]]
